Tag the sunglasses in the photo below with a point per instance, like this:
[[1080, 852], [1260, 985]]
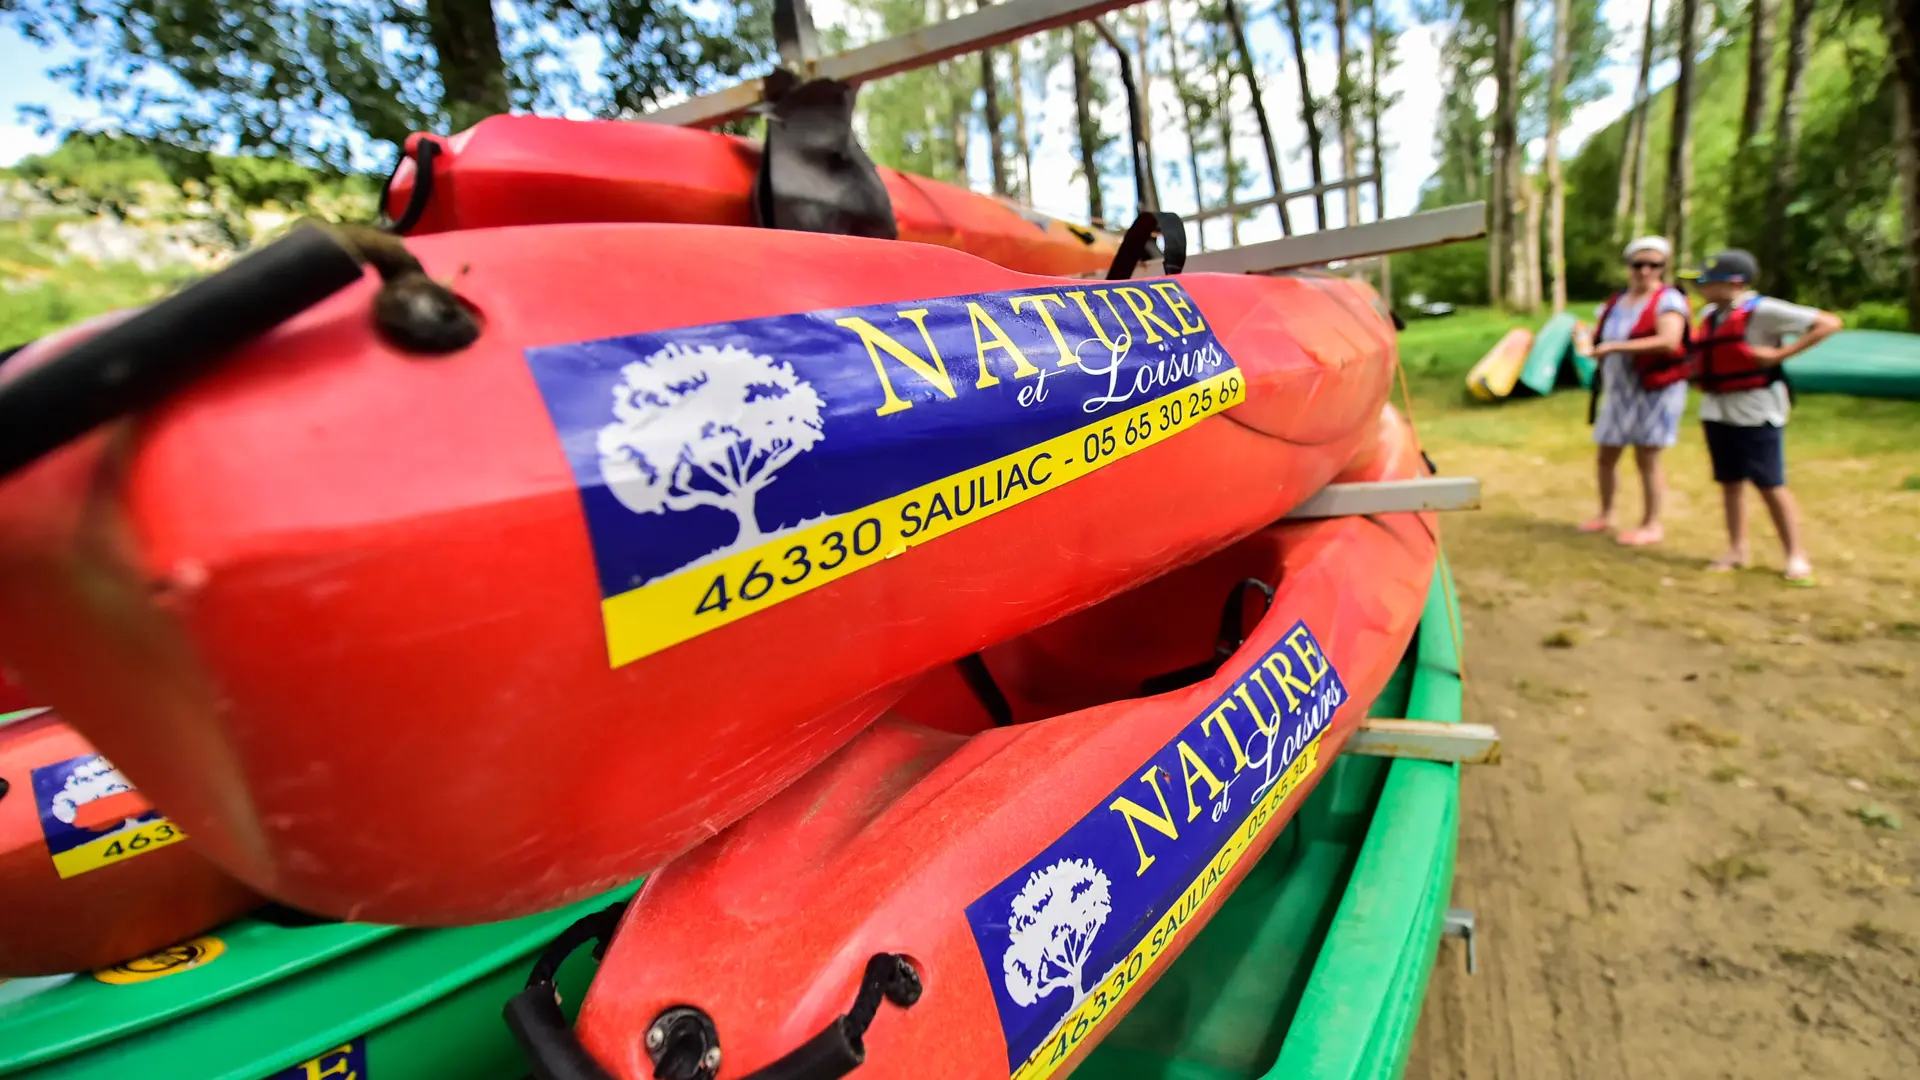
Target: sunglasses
[[1648, 265]]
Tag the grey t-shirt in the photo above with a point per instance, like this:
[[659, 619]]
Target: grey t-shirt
[[1771, 324]]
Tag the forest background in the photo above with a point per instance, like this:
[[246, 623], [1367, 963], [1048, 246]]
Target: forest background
[[1783, 126]]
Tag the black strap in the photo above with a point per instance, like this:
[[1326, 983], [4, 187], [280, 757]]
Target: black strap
[[533, 1015], [425, 150], [1225, 643], [973, 668], [814, 176], [682, 1041], [1133, 246]]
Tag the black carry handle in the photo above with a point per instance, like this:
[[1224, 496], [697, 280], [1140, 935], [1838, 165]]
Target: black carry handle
[[137, 363], [424, 152], [533, 1015], [682, 1041], [1133, 246]]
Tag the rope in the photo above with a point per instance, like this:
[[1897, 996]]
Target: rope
[[1453, 616]]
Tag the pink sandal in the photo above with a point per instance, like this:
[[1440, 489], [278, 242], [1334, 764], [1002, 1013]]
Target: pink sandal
[[1642, 537], [1595, 525]]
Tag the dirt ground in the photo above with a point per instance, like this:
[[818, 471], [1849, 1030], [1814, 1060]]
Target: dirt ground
[[1699, 858]]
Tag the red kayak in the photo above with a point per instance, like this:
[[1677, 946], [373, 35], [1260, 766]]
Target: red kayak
[[1034, 879], [536, 170], [90, 874], [434, 640]]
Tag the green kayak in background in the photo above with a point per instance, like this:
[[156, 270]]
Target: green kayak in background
[[1317, 965], [1867, 363], [260, 999], [1553, 363]]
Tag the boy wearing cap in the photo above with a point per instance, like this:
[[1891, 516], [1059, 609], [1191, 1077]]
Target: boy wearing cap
[[1738, 349]]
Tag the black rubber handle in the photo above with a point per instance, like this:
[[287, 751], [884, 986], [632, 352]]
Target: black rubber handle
[[1133, 246], [546, 1039], [136, 363]]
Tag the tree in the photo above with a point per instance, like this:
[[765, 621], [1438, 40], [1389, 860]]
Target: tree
[[1182, 89], [1759, 59], [1343, 98], [1308, 112], [1905, 39], [1556, 183], [1143, 38], [1380, 35], [1051, 928], [314, 79], [705, 426], [1020, 121], [1086, 127], [990, 99], [1633, 155], [1244, 57], [1680, 135], [1503, 247]]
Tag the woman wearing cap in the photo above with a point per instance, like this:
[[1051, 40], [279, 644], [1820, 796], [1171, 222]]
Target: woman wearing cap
[[1640, 343]]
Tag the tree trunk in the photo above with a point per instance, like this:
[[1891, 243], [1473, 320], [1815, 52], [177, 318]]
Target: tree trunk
[[1500, 227], [1308, 112], [1776, 272], [1244, 60], [990, 95], [1633, 152], [1530, 288], [1680, 144], [1343, 94], [1230, 168], [466, 47], [1904, 24], [1556, 184], [1376, 44], [1759, 60], [1143, 38], [1180, 89], [1020, 124], [1084, 126]]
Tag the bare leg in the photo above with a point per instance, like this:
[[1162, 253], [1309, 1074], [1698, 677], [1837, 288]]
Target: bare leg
[[1786, 521], [1608, 475], [1733, 498], [1653, 488]]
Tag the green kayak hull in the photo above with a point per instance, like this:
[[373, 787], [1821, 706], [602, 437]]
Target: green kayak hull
[[1317, 965], [259, 1000], [1866, 363], [1551, 363]]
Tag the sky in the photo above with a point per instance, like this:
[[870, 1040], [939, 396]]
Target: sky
[[1407, 128]]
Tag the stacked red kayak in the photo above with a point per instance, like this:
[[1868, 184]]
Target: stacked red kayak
[[437, 640], [536, 170]]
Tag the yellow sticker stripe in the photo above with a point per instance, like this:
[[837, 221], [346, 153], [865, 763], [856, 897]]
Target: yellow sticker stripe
[[117, 847], [703, 598], [1103, 1002]]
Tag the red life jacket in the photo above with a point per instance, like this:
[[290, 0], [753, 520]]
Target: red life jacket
[[1656, 370], [1726, 364]]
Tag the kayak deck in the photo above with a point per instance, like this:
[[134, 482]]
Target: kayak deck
[[1317, 964]]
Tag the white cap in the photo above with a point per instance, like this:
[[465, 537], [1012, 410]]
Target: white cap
[[1649, 243]]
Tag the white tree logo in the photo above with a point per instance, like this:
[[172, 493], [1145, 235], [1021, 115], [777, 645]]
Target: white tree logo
[[1051, 929], [705, 426], [88, 783]]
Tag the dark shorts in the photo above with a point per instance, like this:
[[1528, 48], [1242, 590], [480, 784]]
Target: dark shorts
[[1757, 454]]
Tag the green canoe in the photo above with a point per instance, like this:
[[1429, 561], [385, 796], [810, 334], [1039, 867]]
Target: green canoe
[[1869, 363], [1552, 362], [257, 1000], [1317, 965]]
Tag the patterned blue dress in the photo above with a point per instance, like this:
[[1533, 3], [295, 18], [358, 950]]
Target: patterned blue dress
[[1630, 415]]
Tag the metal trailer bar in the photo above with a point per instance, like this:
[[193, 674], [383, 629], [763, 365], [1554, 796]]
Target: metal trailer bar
[[1430, 228], [1427, 740], [942, 41], [1390, 497], [1285, 196]]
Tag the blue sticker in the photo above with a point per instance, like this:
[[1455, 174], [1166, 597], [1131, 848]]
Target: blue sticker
[[91, 817], [345, 1062], [729, 467], [1070, 935]]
